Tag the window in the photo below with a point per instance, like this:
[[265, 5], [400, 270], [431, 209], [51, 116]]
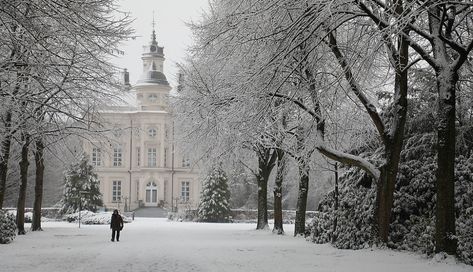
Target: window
[[117, 156], [138, 156], [137, 189], [116, 191], [152, 98], [152, 157], [152, 132], [165, 162], [186, 162], [96, 157], [185, 190]]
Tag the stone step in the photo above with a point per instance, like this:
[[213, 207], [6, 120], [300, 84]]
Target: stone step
[[154, 212]]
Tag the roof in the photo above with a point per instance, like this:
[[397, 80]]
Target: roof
[[153, 76]]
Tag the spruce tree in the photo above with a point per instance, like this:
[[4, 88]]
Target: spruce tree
[[81, 189], [215, 197]]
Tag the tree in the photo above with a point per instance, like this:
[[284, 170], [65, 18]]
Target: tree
[[38, 189], [24, 164], [235, 96], [55, 65], [444, 41], [277, 191], [357, 50], [266, 161], [214, 203], [81, 189], [56, 58]]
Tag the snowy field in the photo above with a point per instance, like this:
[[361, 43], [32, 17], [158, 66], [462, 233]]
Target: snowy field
[[159, 245]]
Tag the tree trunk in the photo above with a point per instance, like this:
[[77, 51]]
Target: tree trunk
[[266, 161], [262, 203], [445, 211], [387, 181], [5, 156], [335, 204], [281, 168], [299, 228], [38, 189], [20, 208], [393, 142], [383, 204], [446, 73]]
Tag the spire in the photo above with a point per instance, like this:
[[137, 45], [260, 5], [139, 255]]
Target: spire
[[153, 35]]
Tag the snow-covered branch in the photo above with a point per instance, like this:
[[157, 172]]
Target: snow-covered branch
[[349, 160]]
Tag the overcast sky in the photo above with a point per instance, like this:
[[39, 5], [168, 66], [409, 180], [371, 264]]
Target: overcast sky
[[171, 32]]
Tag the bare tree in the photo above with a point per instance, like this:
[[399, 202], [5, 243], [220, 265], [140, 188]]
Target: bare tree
[[64, 79]]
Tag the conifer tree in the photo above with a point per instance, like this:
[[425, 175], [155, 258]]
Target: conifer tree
[[81, 189], [215, 197]]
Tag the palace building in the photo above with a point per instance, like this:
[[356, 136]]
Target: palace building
[[139, 165]]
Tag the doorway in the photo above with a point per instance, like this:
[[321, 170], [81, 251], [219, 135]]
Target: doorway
[[151, 195]]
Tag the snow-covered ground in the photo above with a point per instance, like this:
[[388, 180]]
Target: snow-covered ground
[[158, 245]]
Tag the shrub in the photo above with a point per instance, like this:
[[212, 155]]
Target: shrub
[[413, 214], [91, 218], [465, 235], [320, 228], [7, 227]]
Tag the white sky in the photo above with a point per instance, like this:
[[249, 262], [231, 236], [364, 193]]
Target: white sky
[[171, 32]]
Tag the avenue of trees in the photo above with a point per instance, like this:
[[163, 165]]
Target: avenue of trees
[[332, 81], [55, 70]]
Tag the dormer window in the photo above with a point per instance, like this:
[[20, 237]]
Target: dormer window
[[153, 98], [152, 132]]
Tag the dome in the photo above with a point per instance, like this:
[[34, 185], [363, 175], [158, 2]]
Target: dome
[[153, 76]]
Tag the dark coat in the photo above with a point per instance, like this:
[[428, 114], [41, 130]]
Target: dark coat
[[116, 223]]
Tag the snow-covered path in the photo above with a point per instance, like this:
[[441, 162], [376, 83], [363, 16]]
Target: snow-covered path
[[158, 245]]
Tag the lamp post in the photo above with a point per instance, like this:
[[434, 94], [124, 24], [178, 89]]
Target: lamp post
[[80, 203]]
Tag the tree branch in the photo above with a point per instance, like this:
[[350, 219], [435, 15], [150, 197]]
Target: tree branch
[[370, 108], [349, 160]]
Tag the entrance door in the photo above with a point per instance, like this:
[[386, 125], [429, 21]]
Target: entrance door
[[151, 194]]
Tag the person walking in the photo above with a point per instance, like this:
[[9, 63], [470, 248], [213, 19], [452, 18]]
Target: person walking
[[116, 224]]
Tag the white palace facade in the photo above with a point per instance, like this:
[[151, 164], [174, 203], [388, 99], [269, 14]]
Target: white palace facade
[[140, 166]]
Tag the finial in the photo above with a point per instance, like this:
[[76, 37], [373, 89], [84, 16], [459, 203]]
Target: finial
[[153, 35], [154, 23]]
